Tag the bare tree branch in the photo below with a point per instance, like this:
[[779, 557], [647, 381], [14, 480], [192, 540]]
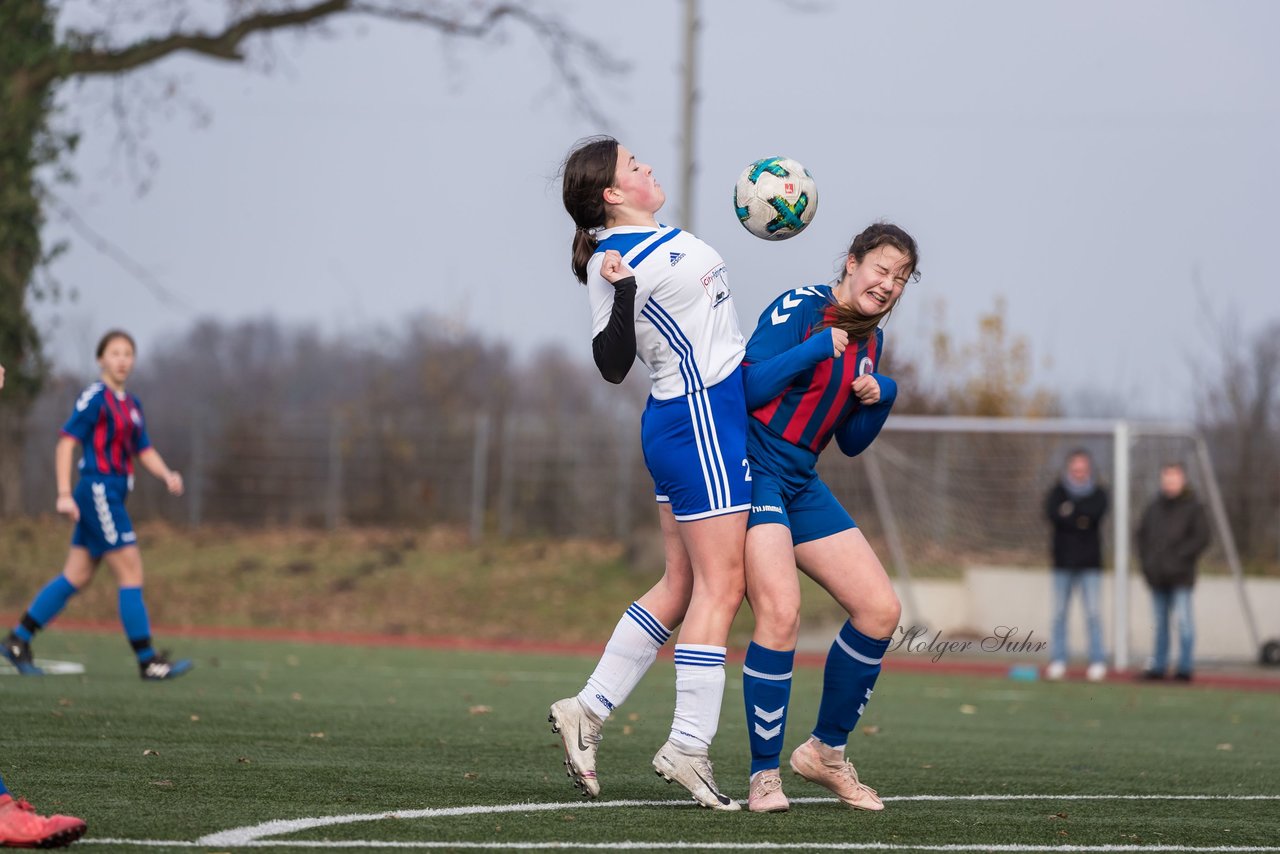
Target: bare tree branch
[[561, 42], [224, 45]]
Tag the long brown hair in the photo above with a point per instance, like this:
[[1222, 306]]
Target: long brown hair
[[848, 318], [587, 172]]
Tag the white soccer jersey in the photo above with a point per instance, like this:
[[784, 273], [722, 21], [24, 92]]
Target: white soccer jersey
[[687, 331]]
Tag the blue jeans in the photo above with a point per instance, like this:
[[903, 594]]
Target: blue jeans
[[1176, 601], [1090, 583]]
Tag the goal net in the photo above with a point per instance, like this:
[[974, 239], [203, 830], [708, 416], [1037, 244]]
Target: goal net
[[955, 509]]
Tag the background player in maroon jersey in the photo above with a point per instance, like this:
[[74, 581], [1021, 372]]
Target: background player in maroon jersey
[[108, 425]]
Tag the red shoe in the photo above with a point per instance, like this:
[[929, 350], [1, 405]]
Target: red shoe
[[20, 827]]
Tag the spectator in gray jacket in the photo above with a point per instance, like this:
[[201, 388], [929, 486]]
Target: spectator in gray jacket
[[1174, 532]]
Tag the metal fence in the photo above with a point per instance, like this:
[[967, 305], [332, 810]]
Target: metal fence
[[955, 496]]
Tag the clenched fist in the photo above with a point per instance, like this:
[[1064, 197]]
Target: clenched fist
[[613, 269], [866, 389], [840, 340]]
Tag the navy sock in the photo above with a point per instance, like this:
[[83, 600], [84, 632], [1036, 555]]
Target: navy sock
[[137, 627], [766, 690], [3, 790], [48, 604], [853, 663]]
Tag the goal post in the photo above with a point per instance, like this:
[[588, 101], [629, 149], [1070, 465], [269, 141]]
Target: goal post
[[950, 492]]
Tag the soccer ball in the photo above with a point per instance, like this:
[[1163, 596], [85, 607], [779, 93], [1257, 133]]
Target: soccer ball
[[775, 198]]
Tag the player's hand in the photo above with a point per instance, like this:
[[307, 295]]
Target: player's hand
[[839, 340], [67, 506], [613, 269], [866, 389], [1, 376], [173, 482]]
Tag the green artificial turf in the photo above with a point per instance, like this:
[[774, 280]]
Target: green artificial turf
[[263, 731]]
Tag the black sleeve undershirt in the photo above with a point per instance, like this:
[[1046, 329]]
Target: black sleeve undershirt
[[615, 347]]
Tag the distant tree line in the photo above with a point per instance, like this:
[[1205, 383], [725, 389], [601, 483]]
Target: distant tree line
[[429, 422]]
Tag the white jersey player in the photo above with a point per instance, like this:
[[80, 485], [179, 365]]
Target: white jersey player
[[661, 294]]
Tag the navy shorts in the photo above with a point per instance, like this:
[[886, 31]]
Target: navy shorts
[[696, 449], [104, 523], [785, 489]]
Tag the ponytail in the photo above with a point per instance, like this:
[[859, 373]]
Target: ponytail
[[584, 246]]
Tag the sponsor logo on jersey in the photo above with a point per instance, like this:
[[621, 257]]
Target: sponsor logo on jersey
[[716, 284], [765, 508], [136, 416], [675, 258]]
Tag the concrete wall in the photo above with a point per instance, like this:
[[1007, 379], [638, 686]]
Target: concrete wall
[[988, 597]]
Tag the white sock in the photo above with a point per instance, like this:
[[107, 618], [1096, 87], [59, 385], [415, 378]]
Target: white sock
[[699, 691], [627, 657]]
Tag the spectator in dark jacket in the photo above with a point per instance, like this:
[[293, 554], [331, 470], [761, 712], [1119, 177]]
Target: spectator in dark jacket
[[1075, 507], [1174, 532]]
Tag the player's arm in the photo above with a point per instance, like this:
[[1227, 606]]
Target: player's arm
[[63, 457], [614, 346], [856, 435], [777, 353], [154, 463]]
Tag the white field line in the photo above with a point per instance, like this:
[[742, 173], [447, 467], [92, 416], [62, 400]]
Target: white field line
[[691, 846], [49, 666], [256, 836]]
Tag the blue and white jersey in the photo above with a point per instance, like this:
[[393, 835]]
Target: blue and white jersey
[[687, 331]]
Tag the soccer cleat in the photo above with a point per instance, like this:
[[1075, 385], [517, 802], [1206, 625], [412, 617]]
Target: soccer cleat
[[21, 827], [1055, 671], [693, 771], [1096, 672], [766, 792], [160, 667], [827, 767], [580, 732], [18, 652]]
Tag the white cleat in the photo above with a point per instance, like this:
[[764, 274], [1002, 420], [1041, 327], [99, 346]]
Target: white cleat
[[580, 732], [827, 767], [1055, 671], [693, 771], [766, 792], [1096, 672]]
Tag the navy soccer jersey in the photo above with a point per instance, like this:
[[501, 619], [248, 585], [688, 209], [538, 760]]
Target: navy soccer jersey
[[110, 429], [820, 399]]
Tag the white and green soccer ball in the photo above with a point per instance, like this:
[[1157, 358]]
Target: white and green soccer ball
[[775, 198]]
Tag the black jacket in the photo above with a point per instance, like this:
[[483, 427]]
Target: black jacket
[[1171, 537], [1077, 538]]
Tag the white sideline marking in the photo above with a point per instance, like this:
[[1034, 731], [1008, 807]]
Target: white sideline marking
[[254, 836], [50, 668], [692, 846]]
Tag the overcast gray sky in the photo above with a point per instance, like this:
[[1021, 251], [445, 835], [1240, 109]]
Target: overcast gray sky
[[1079, 159]]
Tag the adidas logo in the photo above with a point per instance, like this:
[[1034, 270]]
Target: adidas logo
[[675, 258]]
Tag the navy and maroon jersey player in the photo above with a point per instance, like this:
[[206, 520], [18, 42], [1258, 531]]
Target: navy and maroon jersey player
[[110, 429], [108, 426], [811, 374]]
